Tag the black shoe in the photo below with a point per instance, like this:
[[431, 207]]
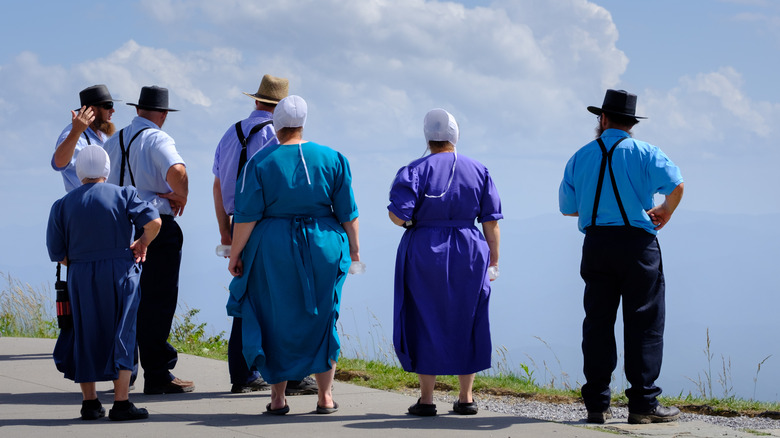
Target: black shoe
[[281, 411], [301, 387], [599, 417], [322, 410], [92, 410], [130, 413], [659, 414], [422, 410], [255, 385], [464, 408], [175, 386]]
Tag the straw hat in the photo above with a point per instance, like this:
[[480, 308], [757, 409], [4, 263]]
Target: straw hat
[[271, 90]]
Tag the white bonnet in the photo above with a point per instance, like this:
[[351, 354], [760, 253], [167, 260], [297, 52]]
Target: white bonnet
[[290, 112], [92, 162], [439, 125]]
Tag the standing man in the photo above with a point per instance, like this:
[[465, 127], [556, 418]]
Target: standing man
[[239, 143], [144, 156], [90, 125], [609, 184]]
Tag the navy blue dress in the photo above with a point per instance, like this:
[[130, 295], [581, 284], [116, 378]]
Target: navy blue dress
[[93, 226]]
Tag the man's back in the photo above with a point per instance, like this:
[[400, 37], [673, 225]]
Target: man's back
[[149, 153]]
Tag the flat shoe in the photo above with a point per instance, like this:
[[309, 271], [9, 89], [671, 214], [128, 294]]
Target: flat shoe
[[255, 385], [422, 409], [306, 386], [322, 410], [175, 386], [132, 413], [464, 408], [92, 413], [281, 411]]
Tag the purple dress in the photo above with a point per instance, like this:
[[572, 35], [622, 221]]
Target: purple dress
[[442, 290]]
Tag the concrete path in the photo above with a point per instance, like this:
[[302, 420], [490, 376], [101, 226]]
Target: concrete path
[[36, 401]]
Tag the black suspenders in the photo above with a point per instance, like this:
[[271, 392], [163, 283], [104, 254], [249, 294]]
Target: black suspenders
[[607, 157], [126, 157], [245, 140]]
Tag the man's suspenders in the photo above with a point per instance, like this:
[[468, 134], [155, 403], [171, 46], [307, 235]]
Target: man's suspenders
[[607, 157], [245, 140], [126, 157]]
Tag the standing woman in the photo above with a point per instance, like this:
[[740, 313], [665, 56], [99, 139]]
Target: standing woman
[[91, 231], [295, 236], [442, 287]]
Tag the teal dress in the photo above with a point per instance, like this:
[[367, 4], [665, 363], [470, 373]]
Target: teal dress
[[296, 259]]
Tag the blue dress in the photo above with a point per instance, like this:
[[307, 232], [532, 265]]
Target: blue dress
[[442, 291], [93, 226], [296, 259]]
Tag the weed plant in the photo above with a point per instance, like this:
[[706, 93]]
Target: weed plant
[[29, 312], [26, 311]]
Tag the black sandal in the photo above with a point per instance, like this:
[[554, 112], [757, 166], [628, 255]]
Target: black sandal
[[281, 411], [422, 409], [464, 408]]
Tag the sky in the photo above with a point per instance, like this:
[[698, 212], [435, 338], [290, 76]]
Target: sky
[[516, 74]]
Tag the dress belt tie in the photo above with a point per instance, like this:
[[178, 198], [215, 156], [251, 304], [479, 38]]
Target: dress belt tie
[[93, 256], [303, 261], [455, 223]]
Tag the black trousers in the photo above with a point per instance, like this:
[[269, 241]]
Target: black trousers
[[622, 262], [159, 294]]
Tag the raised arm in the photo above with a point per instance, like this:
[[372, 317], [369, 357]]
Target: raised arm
[[80, 122]]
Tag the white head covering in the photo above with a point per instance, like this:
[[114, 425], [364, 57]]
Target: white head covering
[[92, 162], [439, 125], [290, 112]]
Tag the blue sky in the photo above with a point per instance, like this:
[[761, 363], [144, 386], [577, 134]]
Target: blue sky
[[516, 74]]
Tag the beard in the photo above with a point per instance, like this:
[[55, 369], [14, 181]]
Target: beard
[[104, 126], [599, 130]]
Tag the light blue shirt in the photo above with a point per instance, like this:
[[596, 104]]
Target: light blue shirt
[[229, 150], [641, 170], [68, 172], [151, 155]]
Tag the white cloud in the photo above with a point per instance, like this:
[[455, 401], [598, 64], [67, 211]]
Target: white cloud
[[711, 115]]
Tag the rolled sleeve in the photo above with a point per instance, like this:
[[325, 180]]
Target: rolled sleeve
[[404, 193]]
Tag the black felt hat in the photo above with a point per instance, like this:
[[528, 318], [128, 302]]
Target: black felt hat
[[153, 98], [619, 102], [94, 95]]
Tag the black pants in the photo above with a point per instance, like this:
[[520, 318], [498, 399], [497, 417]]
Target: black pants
[[159, 294], [239, 371], [622, 262]]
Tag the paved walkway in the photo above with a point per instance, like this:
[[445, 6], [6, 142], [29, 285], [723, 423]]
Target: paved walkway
[[36, 401]]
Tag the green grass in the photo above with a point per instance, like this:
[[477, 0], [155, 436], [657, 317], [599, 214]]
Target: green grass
[[26, 311], [29, 312]]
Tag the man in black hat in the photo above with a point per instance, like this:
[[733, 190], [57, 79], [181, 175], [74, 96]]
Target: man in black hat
[[609, 185], [90, 125], [144, 156]]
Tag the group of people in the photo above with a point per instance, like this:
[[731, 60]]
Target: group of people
[[286, 209]]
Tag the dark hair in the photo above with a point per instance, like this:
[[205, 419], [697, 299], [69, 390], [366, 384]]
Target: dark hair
[[438, 144], [285, 131], [619, 119]]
